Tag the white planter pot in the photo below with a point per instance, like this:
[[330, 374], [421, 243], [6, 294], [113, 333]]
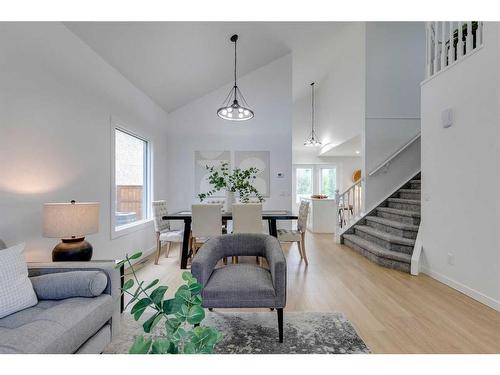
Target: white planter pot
[[228, 203]]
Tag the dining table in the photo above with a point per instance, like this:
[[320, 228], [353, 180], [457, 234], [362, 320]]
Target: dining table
[[271, 216]]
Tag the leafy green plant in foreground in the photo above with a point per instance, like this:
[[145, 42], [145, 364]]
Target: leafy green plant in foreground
[[180, 316]]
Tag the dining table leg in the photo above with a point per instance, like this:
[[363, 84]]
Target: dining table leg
[[273, 231], [185, 243]]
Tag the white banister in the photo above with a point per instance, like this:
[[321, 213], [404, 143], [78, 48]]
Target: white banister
[[448, 42], [348, 207]]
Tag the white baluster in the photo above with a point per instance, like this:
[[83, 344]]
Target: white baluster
[[479, 34], [469, 40], [428, 50], [434, 37], [451, 50], [460, 44], [443, 44]]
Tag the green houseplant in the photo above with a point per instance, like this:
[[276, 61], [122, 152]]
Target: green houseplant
[[238, 181], [181, 316]]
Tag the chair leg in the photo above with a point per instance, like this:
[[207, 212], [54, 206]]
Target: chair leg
[[168, 249], [280, 324], [158, 250], [303, 243]]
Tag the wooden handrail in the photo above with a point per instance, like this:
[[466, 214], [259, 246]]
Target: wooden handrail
[[394, 155]]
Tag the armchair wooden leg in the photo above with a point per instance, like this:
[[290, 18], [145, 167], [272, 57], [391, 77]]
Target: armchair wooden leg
[[280, 324], [168, 249], [303, 244], [158, 250]]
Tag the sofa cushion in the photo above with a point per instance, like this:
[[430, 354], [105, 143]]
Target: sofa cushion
[[16, 291], [55, 326], [239, 285], [64, 285]]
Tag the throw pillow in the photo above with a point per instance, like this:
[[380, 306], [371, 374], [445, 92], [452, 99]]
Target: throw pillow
[[16, 291]]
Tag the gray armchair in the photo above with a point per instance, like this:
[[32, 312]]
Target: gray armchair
[[242, 285]]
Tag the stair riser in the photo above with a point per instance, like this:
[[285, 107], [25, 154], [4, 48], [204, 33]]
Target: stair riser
[[408, 195], [389, 263], [385, 244], [404, 206], [415, 185], [396, 231], [400, 218]]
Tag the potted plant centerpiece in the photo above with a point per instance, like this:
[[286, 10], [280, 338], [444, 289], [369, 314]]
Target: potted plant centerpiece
[[238, 182]]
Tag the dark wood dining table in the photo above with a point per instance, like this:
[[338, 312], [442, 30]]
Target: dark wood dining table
[[272, 216]]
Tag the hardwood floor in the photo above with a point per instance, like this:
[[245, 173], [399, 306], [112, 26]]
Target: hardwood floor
[[392, 311]]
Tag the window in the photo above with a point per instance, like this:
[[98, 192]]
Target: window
[[304, 181], [131, 180], [328, 181]]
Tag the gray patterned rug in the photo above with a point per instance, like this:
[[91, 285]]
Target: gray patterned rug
[[257, 333]]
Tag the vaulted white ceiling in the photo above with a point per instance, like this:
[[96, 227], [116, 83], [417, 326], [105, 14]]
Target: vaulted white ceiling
[[177, 62]]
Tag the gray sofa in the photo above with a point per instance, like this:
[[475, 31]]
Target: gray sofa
[[71, 325], [242, 285]]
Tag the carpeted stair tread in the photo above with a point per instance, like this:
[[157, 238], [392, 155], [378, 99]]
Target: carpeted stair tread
[[385, 236], [378, 250], [409, 191], [397, 211], [393, 223], [415, 202]]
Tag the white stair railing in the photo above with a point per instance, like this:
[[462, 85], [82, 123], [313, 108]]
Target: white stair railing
[[349, 207], [449, 42]]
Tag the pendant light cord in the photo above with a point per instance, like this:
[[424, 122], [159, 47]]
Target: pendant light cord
[[312, 110]]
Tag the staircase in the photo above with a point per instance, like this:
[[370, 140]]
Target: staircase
[[387, 235]]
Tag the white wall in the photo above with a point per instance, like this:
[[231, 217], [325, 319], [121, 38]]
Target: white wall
[[339, 96], [196, 126], [395, 66], [56, 99], [460, 174]]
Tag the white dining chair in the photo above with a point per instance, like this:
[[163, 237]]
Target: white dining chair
[[299, 235], [247, 218], [162, 228], [207, 223]]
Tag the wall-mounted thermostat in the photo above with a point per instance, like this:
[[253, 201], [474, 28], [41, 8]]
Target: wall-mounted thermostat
[[280, 175], [447, 117]]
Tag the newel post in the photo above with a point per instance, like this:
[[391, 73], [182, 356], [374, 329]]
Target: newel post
[[337, 216]]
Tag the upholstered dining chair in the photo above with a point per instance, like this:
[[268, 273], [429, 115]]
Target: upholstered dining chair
[[207, 223], [247, 218], [162, 228], [299, 235]]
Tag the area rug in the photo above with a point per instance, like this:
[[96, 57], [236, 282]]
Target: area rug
[[257, 333]]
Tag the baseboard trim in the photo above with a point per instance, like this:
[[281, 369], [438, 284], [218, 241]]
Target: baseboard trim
[[472, 293]]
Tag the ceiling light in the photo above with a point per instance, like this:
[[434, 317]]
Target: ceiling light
[[313, 140], [232, 100], [357, 152]]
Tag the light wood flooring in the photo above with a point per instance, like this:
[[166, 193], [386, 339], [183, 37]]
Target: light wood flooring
[[392, 311]]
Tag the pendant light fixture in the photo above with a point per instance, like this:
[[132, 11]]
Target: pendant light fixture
[[313, 140], [231, 108]]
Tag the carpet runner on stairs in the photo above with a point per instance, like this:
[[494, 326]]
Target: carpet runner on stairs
[[387, 235]]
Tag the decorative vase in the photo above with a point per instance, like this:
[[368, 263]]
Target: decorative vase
[[228, 203]]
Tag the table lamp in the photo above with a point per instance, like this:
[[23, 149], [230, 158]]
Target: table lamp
[[71, 222]]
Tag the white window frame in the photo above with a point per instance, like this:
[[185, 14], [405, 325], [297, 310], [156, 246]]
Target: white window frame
[[302, 166], [140, 224], [327, 166]]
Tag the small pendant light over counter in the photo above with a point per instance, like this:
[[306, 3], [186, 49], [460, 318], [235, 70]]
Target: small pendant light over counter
[[313, 140], [231, 108]]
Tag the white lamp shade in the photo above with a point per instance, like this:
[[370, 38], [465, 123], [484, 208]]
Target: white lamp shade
[[70, 220]]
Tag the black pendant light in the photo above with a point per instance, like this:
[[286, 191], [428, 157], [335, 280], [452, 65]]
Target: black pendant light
[[313, 140], [231, 108]]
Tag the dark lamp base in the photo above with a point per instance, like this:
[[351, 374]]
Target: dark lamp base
[[72, 250]]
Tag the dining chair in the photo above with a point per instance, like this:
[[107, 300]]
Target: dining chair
[[162, 228], [299, 235], [247, 218], [207, 223]]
